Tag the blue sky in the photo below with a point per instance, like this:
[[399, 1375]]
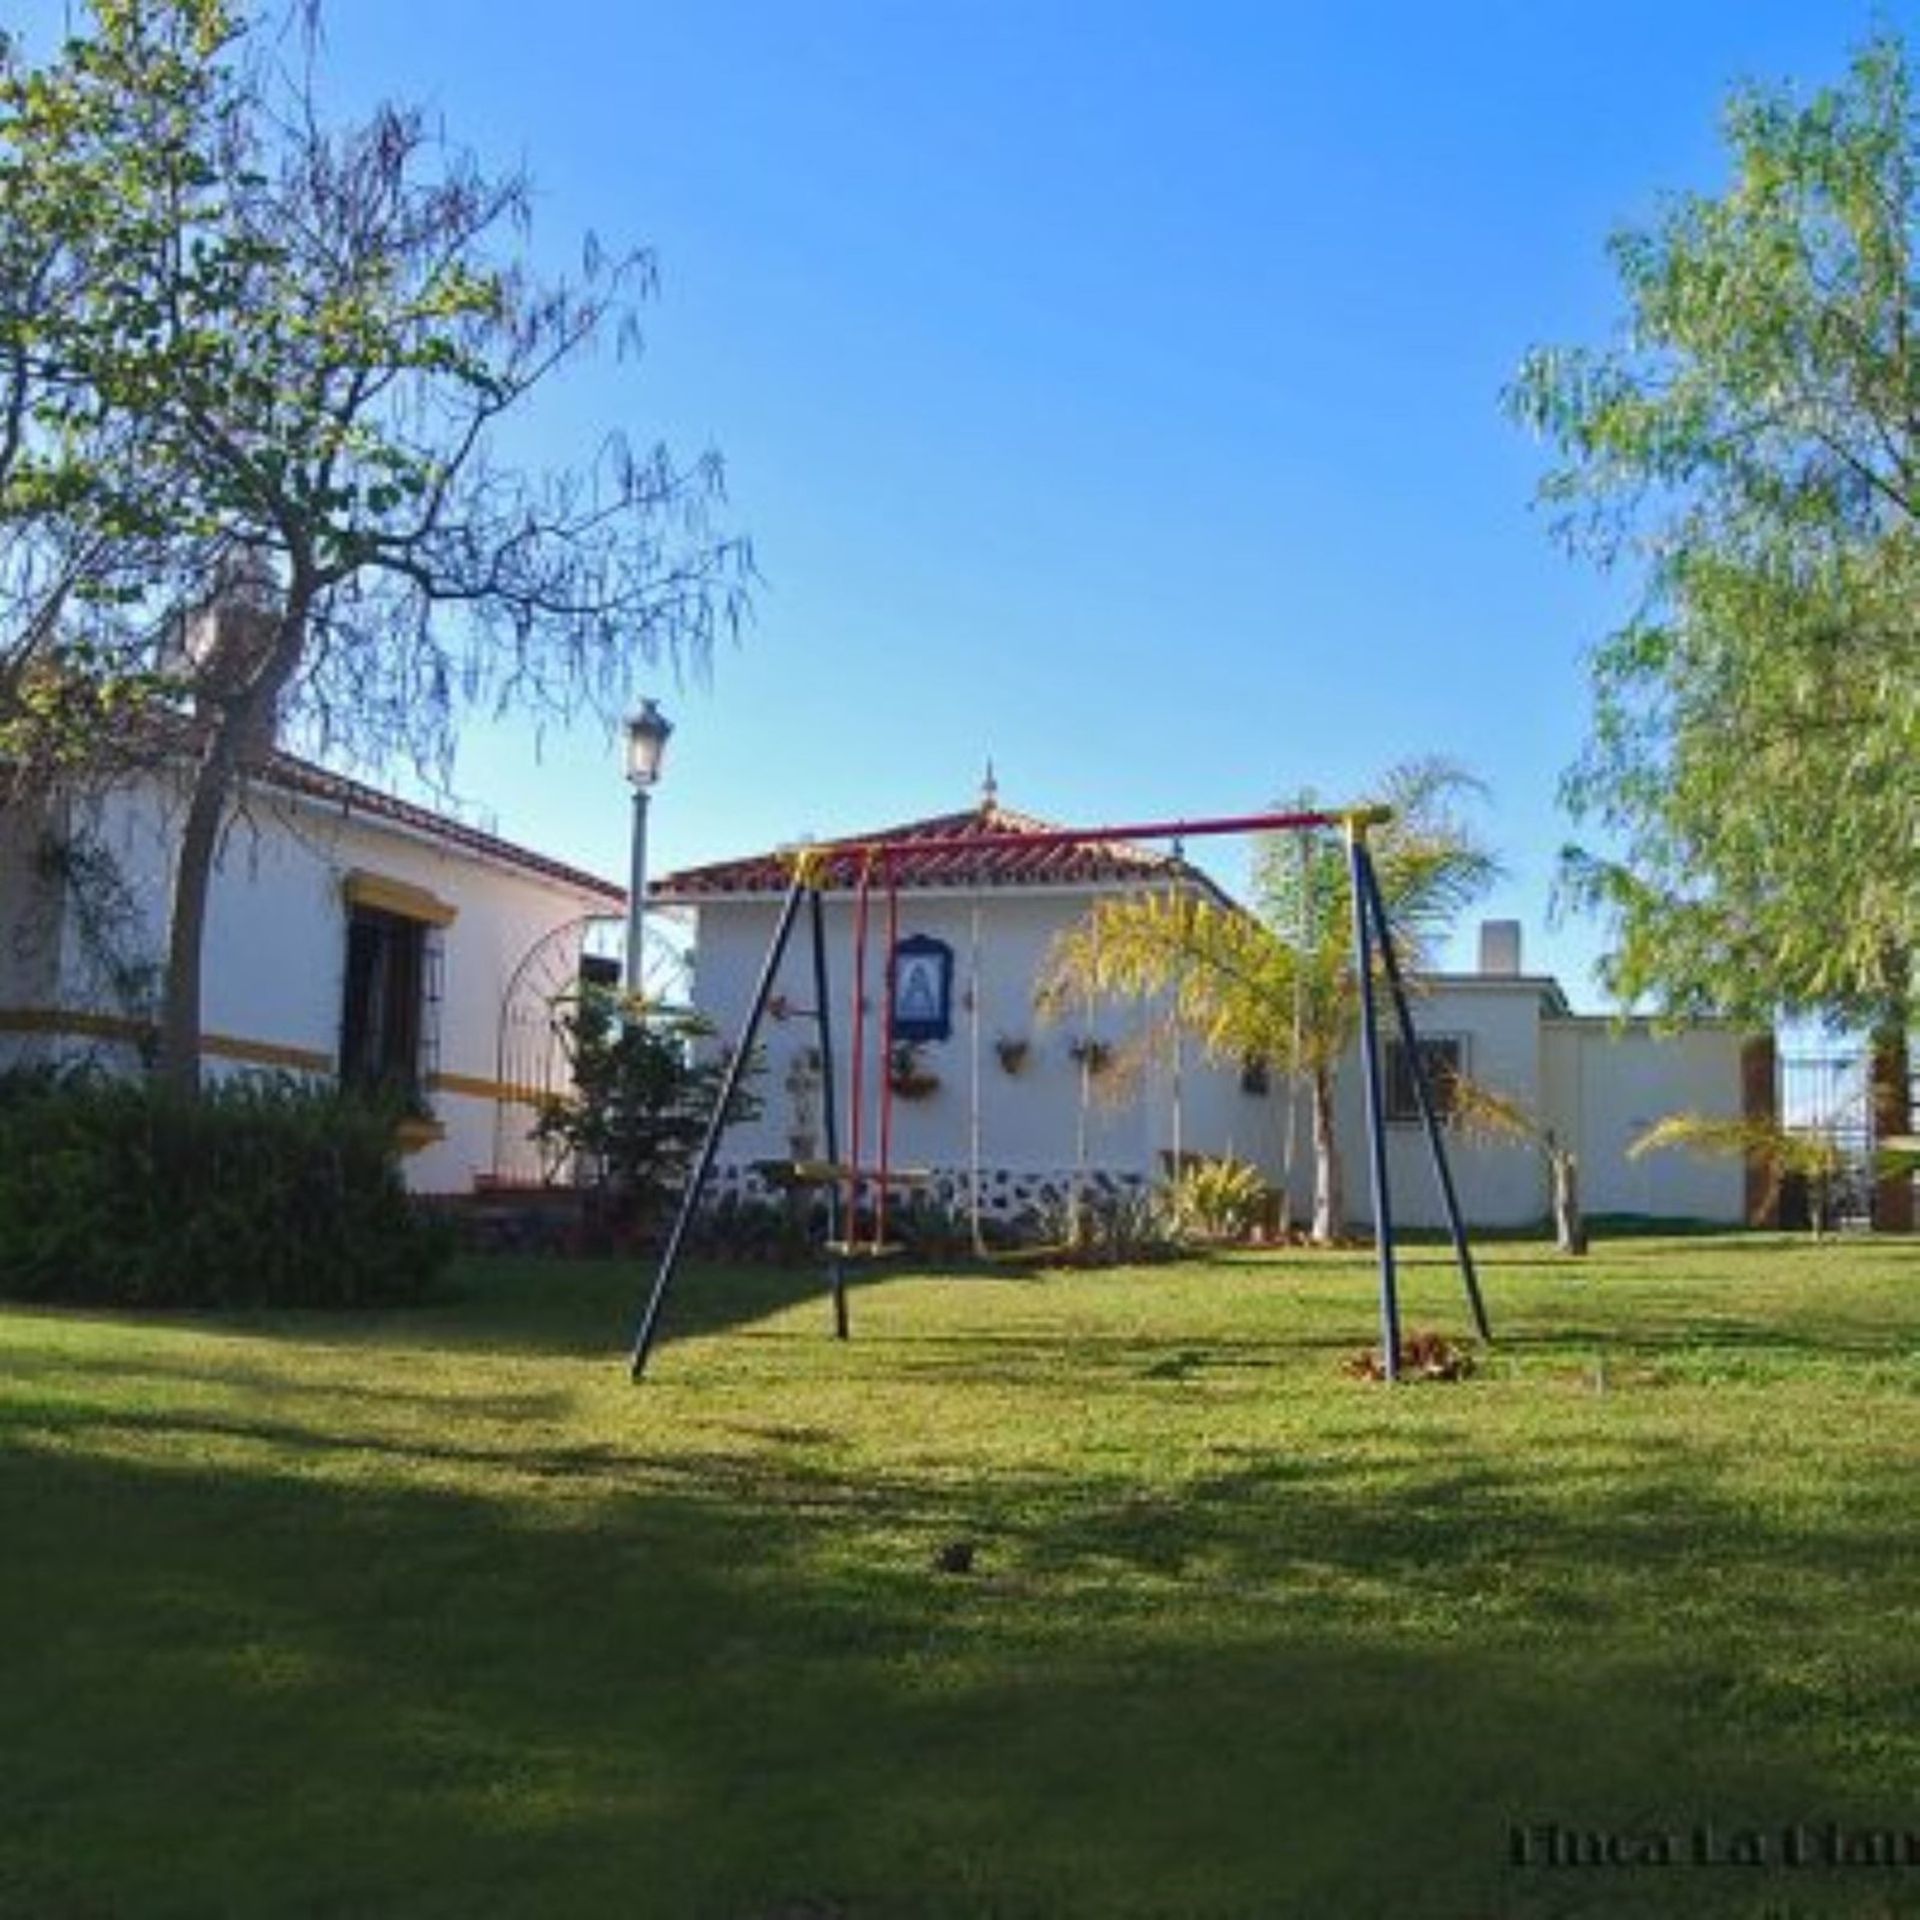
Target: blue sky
[[1109, 390]]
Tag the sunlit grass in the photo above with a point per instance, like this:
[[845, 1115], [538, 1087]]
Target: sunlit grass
[[434, 1613]]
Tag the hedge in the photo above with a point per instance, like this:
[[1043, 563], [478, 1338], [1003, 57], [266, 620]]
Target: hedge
[[262, 1191]]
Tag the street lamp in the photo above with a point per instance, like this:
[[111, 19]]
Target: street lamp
[[647, 734]]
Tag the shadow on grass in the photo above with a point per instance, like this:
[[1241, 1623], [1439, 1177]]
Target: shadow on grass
[[736, 1687]]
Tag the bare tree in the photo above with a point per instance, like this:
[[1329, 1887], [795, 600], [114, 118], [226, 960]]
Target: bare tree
[[310, 337]]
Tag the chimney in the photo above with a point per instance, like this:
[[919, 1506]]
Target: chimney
[[1500, 949]]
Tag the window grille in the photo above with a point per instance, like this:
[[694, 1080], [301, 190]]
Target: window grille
[[389, 1015], [1444, 1056]]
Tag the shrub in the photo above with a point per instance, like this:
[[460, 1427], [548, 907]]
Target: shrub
[[639, 1107], [738, 1228], [1218, 1199], [1105, 1226], [931, 1226], [263, 1191]]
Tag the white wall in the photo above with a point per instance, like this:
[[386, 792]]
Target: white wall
[[275, 952], [1606, 1084], [1500, 1184], [1029, 1120], [1597, 1087]]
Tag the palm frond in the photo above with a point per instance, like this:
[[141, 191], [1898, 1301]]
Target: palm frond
[[1485, 1113], [1223, 976], [1782, 1149]]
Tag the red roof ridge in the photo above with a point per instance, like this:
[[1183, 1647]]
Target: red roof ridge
[[1080, 863]]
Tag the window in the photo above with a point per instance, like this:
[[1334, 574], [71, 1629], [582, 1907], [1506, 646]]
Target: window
[[1444, 1059], [388, 1017]]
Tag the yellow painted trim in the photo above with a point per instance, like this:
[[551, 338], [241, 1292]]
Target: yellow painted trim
[[417, 1131], [61, 1020], [477, 1088], [387, 895], [78, 1023], [809, 865], [266, 1053], [1357, 820]]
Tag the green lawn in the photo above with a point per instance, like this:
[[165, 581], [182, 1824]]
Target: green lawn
[[434, 1614]]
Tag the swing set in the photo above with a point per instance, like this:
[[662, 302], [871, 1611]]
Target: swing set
[[855, 1234]]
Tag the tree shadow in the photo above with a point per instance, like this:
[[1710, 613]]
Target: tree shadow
[[736, 1684]]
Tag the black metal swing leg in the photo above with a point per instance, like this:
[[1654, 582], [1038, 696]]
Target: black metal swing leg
[[1359, 869], [716, 1128], [1423, 1095]]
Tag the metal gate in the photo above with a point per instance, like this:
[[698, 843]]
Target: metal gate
[[1830, 1095], [532, 1063]]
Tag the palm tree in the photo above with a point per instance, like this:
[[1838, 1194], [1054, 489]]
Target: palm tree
[[1277, 982], [1493, 1115]]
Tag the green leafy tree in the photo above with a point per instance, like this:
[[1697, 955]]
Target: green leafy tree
[[1277, 983], [278, 375], [1749, 445], [642, 1097], [70, 585]]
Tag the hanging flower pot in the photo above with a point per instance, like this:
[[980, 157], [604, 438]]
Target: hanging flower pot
[[1094, 1055], [908, 1076]]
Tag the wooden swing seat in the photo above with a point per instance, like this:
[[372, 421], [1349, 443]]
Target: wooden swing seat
[[865, 1249], [829, 1173]]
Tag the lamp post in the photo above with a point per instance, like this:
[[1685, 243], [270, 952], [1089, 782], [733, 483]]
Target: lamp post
[[647, 734]]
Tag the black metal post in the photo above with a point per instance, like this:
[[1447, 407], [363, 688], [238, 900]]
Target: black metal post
[[1436, 1145], [716, 1127], [829, 1113], [1359, 865]]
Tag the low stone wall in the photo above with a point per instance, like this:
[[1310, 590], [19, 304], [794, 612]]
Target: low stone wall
[[1025, 1204]]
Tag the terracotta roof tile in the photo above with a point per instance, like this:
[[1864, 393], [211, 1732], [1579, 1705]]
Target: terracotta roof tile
[[162, 734], [289, 774], [944, 855]]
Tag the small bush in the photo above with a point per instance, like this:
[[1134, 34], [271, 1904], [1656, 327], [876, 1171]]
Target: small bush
[[777, 1232], [260, 1192], [930, 1226], [1102, 1226], [1218, 1199], [639, 1108]]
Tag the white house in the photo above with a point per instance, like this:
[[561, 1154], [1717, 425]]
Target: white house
[[349, 934], [1001, 1110]]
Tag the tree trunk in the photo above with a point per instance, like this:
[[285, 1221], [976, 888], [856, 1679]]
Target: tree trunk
[[1329, 1209], [177, 1063], [1569, 1228], [241, 728], [1892, 1115]]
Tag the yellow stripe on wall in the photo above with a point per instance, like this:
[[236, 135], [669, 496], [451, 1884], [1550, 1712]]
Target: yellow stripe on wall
[[80, 1024]]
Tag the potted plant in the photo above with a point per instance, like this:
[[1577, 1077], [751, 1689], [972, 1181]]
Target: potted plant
[[1094, 1055], [908, 1074]]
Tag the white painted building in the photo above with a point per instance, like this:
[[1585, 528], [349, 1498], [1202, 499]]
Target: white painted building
[[348, 934], [998, 1103]]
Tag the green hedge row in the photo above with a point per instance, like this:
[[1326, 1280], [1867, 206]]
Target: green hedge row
[[261, 1192]]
